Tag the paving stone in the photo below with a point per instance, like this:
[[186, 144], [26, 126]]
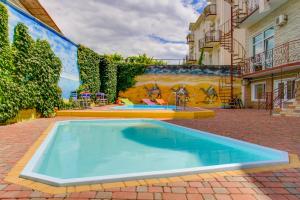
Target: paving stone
[[282, 184]]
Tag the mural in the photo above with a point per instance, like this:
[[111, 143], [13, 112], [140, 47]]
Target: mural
[[199, 85], [65, 49]]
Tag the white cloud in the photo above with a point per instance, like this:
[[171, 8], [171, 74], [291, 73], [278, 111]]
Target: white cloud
[[124, 26]]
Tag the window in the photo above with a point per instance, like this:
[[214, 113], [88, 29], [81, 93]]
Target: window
[[263, 45], [258, 91]]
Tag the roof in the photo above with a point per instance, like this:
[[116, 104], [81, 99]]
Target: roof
[[35, 8]]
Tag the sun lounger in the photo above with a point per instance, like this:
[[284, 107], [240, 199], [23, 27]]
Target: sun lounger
[[126, 101], [148, 102], [161, 101]]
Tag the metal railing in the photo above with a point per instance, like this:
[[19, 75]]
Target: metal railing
[[282, 55], [190, 38], [212, 36], [277, 98], [210, 9]]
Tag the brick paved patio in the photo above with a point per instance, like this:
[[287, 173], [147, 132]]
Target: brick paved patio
[[249, 125]]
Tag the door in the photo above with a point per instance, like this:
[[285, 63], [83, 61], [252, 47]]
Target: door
[[285, 90]]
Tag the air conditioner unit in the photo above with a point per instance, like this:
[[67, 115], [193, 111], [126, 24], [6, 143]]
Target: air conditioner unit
[[281, 20]]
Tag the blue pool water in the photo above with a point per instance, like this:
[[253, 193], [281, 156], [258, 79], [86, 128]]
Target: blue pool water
[[144, 107], [101, 150]]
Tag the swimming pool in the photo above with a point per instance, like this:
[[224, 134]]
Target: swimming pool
[[144, 107], [96, 151]]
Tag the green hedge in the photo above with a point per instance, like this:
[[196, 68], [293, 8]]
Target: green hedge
[[47, 68], [8, 88], [29, 72], [88, 62], [108, 77], [127, 73]]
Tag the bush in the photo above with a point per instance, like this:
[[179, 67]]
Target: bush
[[108, 77], [22, 55], [47, 72], [127, 73], [88, 62], [8, 89]]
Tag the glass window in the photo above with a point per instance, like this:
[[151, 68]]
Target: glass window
[[259, 91], [263, 45], [269, 32], [264, 41]]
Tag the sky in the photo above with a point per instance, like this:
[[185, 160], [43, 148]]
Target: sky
[[129, 27]]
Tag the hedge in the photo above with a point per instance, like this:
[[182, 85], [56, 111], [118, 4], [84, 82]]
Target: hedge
[[88, 62], [127, 73], [108, 77], [29, 72], [8, 88]]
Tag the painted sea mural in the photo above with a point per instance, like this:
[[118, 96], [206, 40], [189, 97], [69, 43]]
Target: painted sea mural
[[65, 49], [200, 82]]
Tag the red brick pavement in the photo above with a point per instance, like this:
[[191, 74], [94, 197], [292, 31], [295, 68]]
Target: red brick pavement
[[249, 125]]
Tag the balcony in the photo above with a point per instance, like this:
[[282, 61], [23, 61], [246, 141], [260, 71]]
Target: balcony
[[285, 57], [191, 59], [249, 12], [210, 11], [190, 38], [212, 38]]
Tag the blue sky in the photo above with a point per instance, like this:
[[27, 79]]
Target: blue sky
[[155, 27]]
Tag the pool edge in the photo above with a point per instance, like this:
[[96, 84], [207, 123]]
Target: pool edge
[[13, 175]]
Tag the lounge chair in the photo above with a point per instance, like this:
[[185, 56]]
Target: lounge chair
[[148, 102], [126, 101], [161, 101]]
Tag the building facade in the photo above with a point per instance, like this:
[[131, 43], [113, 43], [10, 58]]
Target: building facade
[[272, 64], [205, 35]]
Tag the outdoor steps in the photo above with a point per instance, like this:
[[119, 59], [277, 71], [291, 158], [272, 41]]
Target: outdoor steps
[[293, 110]]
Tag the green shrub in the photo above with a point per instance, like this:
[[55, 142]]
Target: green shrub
[[47, 69], [22, 56], [8, 88], [108, 77], [126, 74], [88, 62]]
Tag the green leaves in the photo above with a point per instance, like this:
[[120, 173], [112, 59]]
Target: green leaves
[[29, 73], [88, 62], [108, 77], [127, 73]]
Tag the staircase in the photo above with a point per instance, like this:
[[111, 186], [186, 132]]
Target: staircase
[[293, 109], [238, 53]]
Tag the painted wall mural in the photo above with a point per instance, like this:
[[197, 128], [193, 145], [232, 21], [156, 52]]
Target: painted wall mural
[[201, 84], [65, 49]]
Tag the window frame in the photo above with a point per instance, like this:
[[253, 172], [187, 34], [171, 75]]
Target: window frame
[[253, 91]]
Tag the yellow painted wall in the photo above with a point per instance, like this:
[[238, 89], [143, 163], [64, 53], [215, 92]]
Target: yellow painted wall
[[166, 82], [25, 115]]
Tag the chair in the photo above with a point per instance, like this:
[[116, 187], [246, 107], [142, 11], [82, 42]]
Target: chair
[[86, 97], [126, 101], [160, 101], [148, 102], [101, 98]]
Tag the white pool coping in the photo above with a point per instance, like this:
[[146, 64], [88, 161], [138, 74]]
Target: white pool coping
[[28, 171]]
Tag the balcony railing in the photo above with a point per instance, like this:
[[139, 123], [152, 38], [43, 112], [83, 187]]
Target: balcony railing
[[245, 8], [190, 38], [212, 36], [283, 55], [210, 9], [190, 58]]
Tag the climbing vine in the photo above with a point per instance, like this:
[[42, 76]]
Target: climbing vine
[[108, 77], [29, 72], [88, 62]]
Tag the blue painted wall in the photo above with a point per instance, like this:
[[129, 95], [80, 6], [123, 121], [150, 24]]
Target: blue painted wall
[[65, 49]]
